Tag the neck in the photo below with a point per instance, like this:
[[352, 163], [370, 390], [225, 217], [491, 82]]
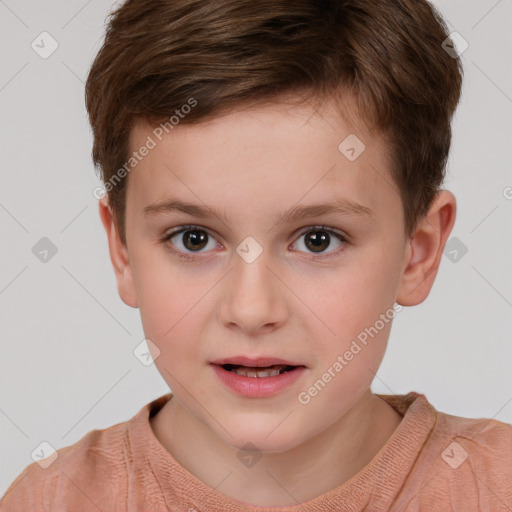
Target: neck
[[319, 465]]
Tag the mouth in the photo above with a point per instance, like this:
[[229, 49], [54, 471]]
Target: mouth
[[259, 367], [258, 378], [259, 371]]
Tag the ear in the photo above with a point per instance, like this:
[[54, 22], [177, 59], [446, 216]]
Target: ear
[[425, 250], [118, 256]]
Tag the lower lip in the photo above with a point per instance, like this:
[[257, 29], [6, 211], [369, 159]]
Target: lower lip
[[257, 387]]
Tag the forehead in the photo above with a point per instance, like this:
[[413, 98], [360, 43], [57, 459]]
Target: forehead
[[262, 159]]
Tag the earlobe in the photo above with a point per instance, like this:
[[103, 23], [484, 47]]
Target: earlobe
[[425, 250], [118, 256]]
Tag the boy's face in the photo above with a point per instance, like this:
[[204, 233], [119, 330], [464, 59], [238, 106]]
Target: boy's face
[[304, 299]]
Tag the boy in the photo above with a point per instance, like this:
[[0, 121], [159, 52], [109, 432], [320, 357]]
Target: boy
[[302, 146]]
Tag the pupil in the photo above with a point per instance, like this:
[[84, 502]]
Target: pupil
[[196, 238], [319, 242]]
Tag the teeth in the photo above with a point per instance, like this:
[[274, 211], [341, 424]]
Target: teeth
[[252, 372]]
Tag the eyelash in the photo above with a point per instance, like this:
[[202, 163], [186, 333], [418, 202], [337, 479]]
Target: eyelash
[[187, 256]]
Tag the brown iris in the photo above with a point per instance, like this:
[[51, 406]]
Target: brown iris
[[195, 239], [317, 240]]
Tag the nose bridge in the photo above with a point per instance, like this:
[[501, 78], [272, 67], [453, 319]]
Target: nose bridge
[[253, 299]]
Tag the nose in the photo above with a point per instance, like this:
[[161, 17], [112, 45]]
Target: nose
[[253, 297]]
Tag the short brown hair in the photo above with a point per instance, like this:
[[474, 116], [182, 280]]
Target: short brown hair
[[226, 54]]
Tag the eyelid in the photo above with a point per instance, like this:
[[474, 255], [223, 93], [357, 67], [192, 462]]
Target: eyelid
[[321, 227], [301, 231], [189, 227]]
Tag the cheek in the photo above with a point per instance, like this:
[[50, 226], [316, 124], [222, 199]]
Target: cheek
[[166, 292], [177, 335], [354, 300], [171, 316], [357, 308]]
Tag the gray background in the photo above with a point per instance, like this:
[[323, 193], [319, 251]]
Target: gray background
[[67, 362]]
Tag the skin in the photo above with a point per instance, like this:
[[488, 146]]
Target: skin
[[252, 166]]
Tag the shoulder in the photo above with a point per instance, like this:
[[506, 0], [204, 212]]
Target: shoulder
[[92, 467], [467, 463], [485, 440]]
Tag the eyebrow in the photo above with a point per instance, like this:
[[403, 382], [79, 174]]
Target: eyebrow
[[340, 207]]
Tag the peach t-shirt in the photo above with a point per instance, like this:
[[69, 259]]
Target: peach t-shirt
[[433, 461]]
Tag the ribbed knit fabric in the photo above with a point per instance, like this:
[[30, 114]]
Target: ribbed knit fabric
[[432, 462]]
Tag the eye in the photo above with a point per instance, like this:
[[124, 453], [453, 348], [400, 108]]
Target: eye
[[193, 239], [319, 238], [190, 238]]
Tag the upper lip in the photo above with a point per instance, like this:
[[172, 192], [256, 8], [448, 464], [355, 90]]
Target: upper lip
[[255, 362]]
